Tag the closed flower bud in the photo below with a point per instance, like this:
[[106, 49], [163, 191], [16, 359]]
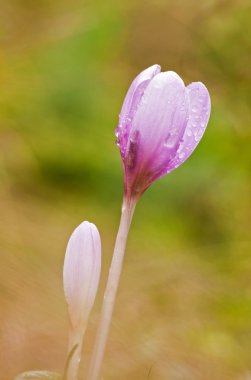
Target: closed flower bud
[[160, 124], [81, 272]]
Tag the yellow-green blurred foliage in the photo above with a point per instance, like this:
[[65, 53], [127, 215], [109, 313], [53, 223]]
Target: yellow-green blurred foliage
[[184, 306]]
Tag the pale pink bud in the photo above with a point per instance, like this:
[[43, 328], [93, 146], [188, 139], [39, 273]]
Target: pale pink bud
[[81, 272]]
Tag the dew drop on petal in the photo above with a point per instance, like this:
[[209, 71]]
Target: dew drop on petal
[[174, 132], [181, 155], [200, 133], [180, 148], [168, 143], [189, 132], [128, 120]]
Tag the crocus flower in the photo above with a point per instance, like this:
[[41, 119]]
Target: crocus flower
[[160, 125], [81, 272]]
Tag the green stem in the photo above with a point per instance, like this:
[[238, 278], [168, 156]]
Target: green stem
[[111, 291]]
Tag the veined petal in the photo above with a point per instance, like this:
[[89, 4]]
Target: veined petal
[[136, 91], [81, 272], [131, 103], [159, 124], [199, 113]]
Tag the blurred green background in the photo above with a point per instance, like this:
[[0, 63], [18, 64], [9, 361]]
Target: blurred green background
[[184, 305]]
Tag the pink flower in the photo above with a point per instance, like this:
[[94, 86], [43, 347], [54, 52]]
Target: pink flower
[[160, 125]]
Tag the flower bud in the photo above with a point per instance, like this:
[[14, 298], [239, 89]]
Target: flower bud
[[81, 272], [160, 125]]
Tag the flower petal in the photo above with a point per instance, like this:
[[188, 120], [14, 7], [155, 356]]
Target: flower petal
[[159, 122], [131, 103], [199, 112], [81, 272]]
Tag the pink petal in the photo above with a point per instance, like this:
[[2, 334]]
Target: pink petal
[[160, 122], [131, 104], [199, 112]]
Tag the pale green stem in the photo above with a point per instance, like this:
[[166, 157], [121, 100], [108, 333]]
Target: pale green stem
[[111, 291], [74, 353]]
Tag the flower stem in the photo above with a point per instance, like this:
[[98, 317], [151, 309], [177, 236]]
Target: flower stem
[[111, 290], [74, 354]]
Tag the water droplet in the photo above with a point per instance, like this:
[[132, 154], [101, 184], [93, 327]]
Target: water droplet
[[202, 124], [200, 133], [194, 109], [197, 138], [174, 132], [169, 143], [181, 155], [128, 120], [194, 125], [189, 132], [181, 147]]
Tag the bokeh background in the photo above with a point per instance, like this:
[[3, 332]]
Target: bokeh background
[[184, 305]]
